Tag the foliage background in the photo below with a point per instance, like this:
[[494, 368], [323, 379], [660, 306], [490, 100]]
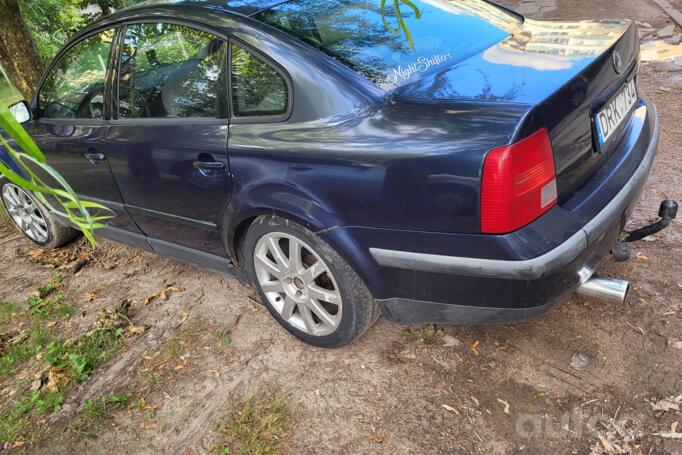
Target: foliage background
[[53, 22]]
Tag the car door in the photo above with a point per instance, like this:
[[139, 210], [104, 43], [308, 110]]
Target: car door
[[169, 134], [71, 125]]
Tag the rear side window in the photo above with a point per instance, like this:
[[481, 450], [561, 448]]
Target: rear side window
[[257, 88], [74, 88], [171, 71]]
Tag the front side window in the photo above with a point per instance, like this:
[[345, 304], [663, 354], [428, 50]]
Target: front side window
[[257, 88], [74, 88], [171, 71]]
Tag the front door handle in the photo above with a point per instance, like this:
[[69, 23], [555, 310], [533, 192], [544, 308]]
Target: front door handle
[[95, 158]]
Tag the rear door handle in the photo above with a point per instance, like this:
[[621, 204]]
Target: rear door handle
[[95, 158], [209, 165]]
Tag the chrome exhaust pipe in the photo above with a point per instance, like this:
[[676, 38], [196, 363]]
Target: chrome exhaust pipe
[[609, 290]]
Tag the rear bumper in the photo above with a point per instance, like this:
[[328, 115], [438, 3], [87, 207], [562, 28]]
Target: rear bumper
[[521, 277], [536, 267]]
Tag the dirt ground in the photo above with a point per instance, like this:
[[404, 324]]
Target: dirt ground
[[529, 387]]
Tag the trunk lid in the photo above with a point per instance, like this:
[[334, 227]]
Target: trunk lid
[[564, 70]]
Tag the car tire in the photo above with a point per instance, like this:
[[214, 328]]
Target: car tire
[[33, 219], [294, 289]]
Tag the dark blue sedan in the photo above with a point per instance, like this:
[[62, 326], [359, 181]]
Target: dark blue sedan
[[434, 161]]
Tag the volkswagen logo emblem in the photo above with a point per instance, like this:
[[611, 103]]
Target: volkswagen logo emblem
[[617, 62]]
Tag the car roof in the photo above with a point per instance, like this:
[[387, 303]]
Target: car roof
[[244, 7]]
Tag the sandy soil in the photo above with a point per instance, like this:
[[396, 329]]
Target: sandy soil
[[523, 388]]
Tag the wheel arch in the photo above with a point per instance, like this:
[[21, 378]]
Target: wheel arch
[[281, 199], [296, 205], [338, 239]]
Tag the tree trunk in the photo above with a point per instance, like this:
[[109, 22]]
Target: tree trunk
[[18, 53]]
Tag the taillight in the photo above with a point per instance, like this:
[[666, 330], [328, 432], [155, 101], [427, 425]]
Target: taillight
[[518, 184]]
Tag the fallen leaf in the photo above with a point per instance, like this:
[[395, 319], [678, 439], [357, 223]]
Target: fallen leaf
[[163, 294], [35, 385], [407, 354], [539, 395], [474, 347], [667, 404], [378, 438], [441, 385], [506, 405], [634, 327], [55, 378], [135, 330], [604, 442], [450, 341], [51, 324], [449, 408], [170, 289], [669, 435], [141, 403], [641, 257], [675, 343], [91, 295], [185, 316], [17, 443], [147, 426]]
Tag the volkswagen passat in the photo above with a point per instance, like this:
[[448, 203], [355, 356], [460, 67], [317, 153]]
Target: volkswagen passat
[[434, 161]]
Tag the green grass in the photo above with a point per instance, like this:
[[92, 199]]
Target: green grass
[[7, 309], [430, 335], [158, 369], [36, 338], [225, 337], [49, 300], [96, 411], [70, 361], [77, 360], [15, 423], [256, 427], [81, 358]]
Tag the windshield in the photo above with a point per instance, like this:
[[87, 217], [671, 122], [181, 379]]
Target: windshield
[[396, 44]]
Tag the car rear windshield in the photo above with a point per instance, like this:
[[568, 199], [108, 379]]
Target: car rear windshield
[[394, 44]]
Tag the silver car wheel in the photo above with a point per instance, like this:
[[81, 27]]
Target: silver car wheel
[[297, 283], [25, 213]]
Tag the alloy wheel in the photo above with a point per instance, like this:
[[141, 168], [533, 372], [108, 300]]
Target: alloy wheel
[[25, 213], [297, 283]]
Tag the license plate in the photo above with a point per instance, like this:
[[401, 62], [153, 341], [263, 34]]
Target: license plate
[[615, 112]]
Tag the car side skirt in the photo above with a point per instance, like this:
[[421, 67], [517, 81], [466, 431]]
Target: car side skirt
[[407, 311], [171, 250]]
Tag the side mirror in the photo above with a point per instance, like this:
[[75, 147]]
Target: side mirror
[[21, 111]]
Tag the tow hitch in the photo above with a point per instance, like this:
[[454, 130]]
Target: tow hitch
[[667, 212]]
